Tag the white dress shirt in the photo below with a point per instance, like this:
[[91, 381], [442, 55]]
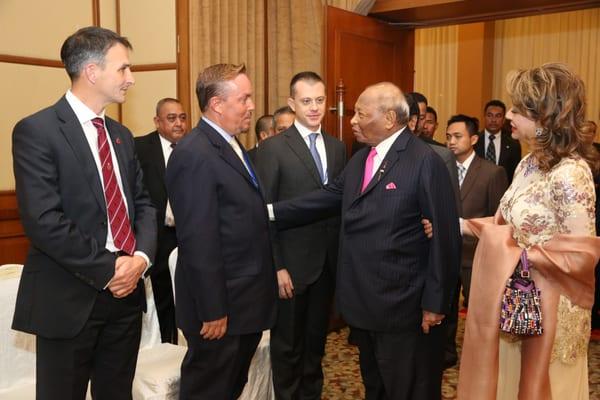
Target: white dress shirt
[[320, 144], [85, 115], [497, 140]]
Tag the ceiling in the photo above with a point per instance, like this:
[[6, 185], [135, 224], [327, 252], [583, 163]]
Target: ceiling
[[415, 13]]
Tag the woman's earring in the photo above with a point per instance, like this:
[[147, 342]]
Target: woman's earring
[[539, 132]]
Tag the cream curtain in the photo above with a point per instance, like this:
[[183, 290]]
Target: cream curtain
[[436, 54], [571, 37], [228, 31]]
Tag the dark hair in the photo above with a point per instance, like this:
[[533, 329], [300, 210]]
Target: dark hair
[[495, 103], [431, 110], [418, 97], [89, 44], [472, 124], [283, 110], [308, 76], [413, 107], [262, 124], [161, 102], [212, 80]]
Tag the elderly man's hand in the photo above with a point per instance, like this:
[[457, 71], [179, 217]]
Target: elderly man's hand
[[430, 319]]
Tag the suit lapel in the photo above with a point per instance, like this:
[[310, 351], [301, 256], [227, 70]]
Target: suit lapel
[[504, 149], [226, 152], [71, 129], [470, 177], [387, 164], [299, 147], [157, 156]]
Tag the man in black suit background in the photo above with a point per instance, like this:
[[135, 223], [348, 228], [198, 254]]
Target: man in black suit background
[[263, 130], [91, 225], [496, 145], [301, 159], [225, 280], [394, 286], [153, 151]]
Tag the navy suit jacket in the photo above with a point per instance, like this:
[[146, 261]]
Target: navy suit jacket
[[388, 271], [63, 210], [224, 264]]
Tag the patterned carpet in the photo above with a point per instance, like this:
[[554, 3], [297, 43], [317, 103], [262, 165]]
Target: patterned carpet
[[342, 374]]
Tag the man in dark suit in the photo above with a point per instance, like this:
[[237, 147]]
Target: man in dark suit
[[482, 184], [91, 225], [302, 159], [494, 144], [263, 130], [225, 279], [153, 151], [394, 286]]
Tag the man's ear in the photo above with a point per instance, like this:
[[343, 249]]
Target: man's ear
[[291, 103], [474, 139], [90, 72]]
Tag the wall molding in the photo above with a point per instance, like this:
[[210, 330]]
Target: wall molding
[[40, 62], [153, 67]]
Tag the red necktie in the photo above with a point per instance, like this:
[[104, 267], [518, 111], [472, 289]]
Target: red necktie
[[368, 169], [120, 227]]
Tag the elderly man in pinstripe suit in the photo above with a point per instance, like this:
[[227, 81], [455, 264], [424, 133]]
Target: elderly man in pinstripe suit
[[394, 286]]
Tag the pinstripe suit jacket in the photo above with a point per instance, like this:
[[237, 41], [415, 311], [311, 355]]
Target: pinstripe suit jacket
[[388, 270]]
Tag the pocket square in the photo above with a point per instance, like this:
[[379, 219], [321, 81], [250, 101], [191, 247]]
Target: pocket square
[[390, 186]]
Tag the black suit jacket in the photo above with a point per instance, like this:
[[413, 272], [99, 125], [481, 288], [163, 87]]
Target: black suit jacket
[[481, 191], [152, 161], [388, 270], [287, 170], [63, 210], [224, 264], [510, 152]]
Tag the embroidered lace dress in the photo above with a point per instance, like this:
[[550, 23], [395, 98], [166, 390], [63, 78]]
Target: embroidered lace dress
[[539, 205]]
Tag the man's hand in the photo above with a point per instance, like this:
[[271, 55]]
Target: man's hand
[[284, 281], [430, 319], [128, 270], [427, 228], [212, 330]]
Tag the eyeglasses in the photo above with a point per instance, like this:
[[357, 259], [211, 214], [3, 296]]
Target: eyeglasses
[[307, 101], [173, 117]]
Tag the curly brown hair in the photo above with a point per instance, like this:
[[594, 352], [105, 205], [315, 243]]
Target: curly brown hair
[[554, 97]]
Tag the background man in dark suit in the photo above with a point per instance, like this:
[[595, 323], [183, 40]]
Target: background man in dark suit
[[225, 280], [153, 151], [263, 130], [283, 118], [91, 225], [302, 159], [494, 144], [482, 184], [393, 284]]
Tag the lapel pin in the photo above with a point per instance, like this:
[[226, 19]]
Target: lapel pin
[[118, 140]]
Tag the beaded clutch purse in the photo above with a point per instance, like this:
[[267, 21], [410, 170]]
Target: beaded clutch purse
[[521, 312]]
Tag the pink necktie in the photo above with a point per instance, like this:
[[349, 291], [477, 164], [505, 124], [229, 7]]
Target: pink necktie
[[368, 169], [120, 227]]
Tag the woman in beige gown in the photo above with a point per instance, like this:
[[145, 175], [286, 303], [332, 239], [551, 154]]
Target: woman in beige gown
[[549, 210]]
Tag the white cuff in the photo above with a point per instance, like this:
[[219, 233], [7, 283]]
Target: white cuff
[[270, 211]]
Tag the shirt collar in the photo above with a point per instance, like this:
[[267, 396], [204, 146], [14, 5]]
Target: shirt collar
[[384, 146], [82, 112], [468, 161], [304, 131], [228, 137], [496, 135]]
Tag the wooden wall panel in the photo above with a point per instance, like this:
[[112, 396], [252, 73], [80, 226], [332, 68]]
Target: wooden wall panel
[[13, 243]]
